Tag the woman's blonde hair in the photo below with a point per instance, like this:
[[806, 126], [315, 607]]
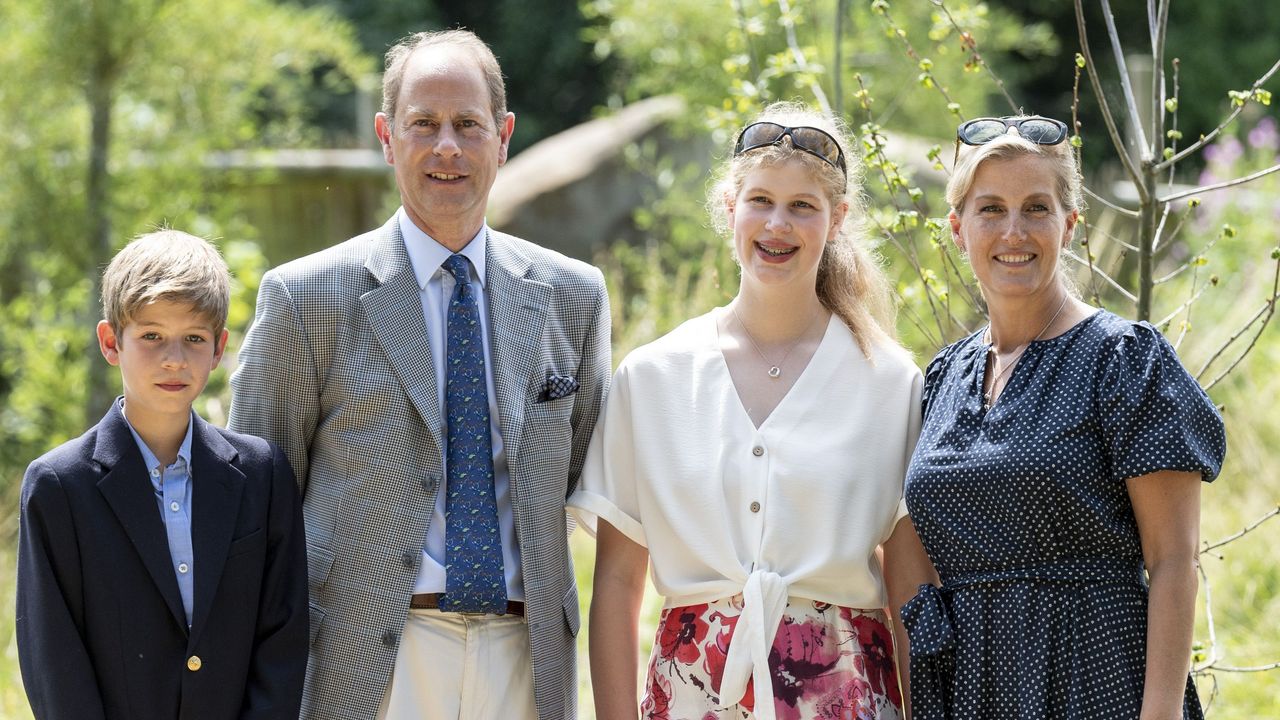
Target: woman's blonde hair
[[1066, 171], [850, 282]]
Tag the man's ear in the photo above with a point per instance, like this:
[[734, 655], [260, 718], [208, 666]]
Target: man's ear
[[108, 342], [505, 131], [382, 127]]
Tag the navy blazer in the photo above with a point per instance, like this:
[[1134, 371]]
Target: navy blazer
[[100, 625]]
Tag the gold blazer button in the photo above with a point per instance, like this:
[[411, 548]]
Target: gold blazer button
[[194, 663]]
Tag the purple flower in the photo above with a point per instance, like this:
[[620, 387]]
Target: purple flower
[[1225, 152], [1265, 135]]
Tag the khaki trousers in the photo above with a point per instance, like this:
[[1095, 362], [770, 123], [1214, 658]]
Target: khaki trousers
[[454, 666]]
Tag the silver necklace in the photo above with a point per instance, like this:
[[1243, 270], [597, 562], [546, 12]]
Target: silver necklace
[[775, 370], [988, 397]]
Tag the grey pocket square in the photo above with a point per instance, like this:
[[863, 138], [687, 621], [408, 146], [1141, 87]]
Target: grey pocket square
[[559, 386]]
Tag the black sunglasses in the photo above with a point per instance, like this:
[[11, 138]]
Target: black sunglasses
[[1036, 129], [809, 139]]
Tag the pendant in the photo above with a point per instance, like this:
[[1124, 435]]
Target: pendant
[[775, 371]]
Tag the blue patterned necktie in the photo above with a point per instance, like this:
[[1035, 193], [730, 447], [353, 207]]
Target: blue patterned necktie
[[475, 581]]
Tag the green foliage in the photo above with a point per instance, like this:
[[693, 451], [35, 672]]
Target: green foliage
[[683, 270], [553, 81], [185, 80]]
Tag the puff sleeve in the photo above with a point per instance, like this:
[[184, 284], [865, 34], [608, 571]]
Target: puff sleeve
[[1153, 414], [607, 488]]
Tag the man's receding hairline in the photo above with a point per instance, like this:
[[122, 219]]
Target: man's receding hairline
[[446, 59]]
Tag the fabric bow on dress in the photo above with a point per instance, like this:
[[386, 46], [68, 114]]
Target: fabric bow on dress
[[928, 624]]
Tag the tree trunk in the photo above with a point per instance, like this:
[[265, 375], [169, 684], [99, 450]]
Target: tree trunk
[[100, 91]]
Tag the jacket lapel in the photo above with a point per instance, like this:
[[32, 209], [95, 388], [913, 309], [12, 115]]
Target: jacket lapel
[[517, 314], [394, 309], [127, 488], [215, 506]]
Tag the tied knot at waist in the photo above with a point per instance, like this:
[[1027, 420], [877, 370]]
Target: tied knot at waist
[[927, 616], [764, 600]]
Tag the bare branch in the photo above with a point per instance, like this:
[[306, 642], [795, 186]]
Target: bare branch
[[1264, 313], [915, 56], [1113, 239], [1188, 264], [966, 38], [1169, 238], [1208, 616], [1234, 336], [909, 251], [1221, 126], [1107, 117], [1122, 210], [1253, 669], [1135, 120], [1094, 270], [1177, 92], [1155, 237], [1219, 186], [793, 44], [1208, 547], [1161, 23], [1185, 304]]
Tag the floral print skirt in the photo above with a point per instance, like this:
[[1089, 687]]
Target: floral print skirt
[[827, 663]]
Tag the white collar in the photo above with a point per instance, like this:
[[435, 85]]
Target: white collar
[[426, 254]]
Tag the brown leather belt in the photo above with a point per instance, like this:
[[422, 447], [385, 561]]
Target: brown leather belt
[[431, 601]]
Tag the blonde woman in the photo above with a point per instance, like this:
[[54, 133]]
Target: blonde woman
[[1056, 484], [754, 458]]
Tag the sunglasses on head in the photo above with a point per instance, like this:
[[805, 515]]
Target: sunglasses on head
[[1036, 129], [809, 139]]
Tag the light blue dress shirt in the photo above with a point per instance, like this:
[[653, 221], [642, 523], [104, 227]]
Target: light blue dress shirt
[[173, 496]]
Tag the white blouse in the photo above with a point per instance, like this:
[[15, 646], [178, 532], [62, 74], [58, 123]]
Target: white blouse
[[794, 508]]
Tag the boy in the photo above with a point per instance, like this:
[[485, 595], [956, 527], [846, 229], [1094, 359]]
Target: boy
[[161, 560]]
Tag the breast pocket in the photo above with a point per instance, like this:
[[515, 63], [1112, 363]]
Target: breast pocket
[[548, 438], [251, 542]]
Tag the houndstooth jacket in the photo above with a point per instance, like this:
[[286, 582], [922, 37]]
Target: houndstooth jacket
[[336, 369]]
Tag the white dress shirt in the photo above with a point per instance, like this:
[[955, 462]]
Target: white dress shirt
[[794, 508], [435, 286]]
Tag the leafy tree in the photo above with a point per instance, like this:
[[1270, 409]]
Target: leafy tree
[[111, 108], [553, 82]]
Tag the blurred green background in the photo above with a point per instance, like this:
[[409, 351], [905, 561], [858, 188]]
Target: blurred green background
[[122, 115]]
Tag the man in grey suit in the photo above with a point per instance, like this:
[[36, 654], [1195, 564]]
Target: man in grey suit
[[345, 368]]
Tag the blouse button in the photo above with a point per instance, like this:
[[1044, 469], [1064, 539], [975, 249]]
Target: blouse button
[[757, 451], [755, 507]]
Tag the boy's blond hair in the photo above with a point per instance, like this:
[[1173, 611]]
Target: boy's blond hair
[[166, 265]]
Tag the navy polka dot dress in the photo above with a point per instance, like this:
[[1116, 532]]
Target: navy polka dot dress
[[1024, 511]]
